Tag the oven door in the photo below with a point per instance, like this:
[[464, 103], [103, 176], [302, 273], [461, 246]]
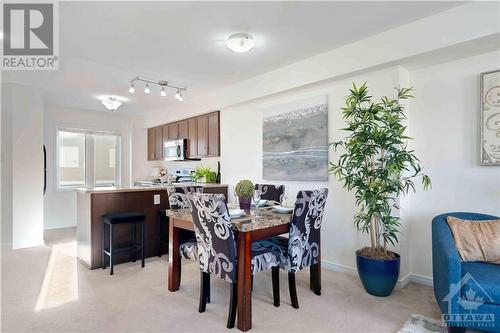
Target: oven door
[[173, 150]]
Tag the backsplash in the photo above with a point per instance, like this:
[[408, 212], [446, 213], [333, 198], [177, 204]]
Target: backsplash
[[171, 166]]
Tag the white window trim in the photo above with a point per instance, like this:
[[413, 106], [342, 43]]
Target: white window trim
[[89, 157]]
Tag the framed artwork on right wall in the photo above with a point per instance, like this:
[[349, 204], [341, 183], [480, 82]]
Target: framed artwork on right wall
[[490, 118]]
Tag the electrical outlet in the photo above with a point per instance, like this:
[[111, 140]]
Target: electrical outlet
[[156, 199]]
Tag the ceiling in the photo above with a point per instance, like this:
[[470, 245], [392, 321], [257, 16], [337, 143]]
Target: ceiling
[[103, 45]]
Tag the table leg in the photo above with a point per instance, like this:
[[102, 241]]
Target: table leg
[[174, 259], [244, 281]]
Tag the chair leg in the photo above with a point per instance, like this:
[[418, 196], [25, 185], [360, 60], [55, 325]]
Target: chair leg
[[142, 243], [134, 242], [208, 288], [276, 285], [159, 238], [111, 249], [203, 291], [231, 318], [103, 244], [251, 284], [315, 279], [293, 290]]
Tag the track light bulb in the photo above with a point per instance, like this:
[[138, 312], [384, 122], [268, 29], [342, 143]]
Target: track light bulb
[[163, 92], [146, 89], [131, 89], [180, 98]]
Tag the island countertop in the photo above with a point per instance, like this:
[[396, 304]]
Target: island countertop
[[113, 189], [93, 203]]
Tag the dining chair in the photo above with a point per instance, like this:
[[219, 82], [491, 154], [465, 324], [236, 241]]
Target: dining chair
[[302, 248], [271, 192], [178, 199], [217, 250]]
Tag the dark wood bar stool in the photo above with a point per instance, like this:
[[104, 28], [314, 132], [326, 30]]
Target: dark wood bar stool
[[111, 220]]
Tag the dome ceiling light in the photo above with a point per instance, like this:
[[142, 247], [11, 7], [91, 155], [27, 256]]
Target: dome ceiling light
[[240, 42]]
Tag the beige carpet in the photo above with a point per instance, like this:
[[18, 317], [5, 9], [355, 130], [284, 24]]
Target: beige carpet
[[45, 290]]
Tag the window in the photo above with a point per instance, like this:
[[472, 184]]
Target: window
[[88, 158], [71, 159], [104, 160]]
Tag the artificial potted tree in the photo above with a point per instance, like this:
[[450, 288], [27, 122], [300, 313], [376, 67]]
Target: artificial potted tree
[[377, 165], [244, 190]]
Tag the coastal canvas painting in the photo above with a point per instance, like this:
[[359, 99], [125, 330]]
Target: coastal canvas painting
[[295, 141]]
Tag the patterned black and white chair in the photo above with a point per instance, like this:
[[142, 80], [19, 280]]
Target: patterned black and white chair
[[271, 192], [302, 248], [217, 250], [178, 199]]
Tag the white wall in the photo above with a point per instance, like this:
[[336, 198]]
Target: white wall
[[60, 205], [241, 158], [445, 120], [22, 166]]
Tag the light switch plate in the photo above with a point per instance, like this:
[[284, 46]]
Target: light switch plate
[[156, 199]]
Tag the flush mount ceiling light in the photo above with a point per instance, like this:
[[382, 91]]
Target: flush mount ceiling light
[[163, 84], [240, 42], [111, 104]]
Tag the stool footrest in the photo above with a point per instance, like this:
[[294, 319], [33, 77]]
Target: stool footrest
[[120, 249]]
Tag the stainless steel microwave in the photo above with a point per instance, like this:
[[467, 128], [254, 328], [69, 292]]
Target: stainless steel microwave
[[175, 150]]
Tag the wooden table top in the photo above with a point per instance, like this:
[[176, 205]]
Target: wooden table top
[[266, 217]]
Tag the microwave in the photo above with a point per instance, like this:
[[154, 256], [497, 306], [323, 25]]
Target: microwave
[[176, 150]]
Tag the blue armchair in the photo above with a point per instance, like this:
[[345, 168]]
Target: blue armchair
[[468, 293]]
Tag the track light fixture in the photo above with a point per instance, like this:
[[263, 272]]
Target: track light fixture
[[163, 84]]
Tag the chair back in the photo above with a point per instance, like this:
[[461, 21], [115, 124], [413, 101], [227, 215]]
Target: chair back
[[271, 192], [177, 198], [214, 235], [304, 240]]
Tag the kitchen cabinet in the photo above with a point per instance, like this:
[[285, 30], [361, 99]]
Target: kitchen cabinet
[[213, 134], [173, 131], [183, 131], [159, 143], [192, 137], [151, 144], [202, 132], [202, 135], [164, 135]]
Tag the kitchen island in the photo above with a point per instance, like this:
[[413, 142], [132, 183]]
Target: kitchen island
[[92, 203]]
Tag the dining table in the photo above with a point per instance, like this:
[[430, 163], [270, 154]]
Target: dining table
[[259, 224]]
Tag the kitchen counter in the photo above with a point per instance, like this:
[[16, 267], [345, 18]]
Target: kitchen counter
[[93, 203], [157, 187]]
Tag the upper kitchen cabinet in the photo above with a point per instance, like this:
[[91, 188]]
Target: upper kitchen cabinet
[[213, 134], [159, 143], [173, 131], [183, 131], [151, 144], [202, 132], [202, 135], [192, 137]]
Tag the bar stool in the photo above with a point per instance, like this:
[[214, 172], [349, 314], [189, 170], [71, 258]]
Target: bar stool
[[121, 218]]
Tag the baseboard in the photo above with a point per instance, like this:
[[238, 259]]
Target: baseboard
[[402, 282]]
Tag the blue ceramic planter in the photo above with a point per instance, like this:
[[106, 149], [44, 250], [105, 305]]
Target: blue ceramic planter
[[378, 276]]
